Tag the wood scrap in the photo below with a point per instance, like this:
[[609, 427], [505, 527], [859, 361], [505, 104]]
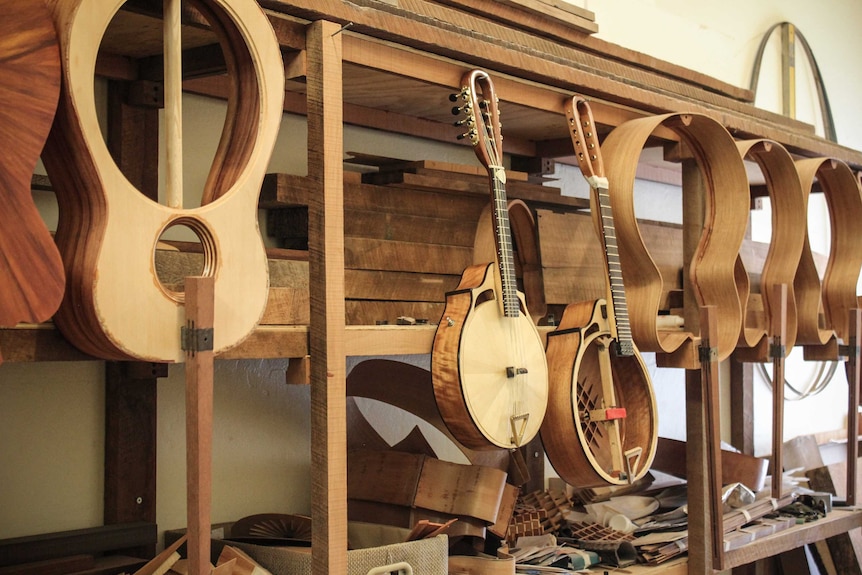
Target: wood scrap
[[242, 563], [161, 563], [736, 467]]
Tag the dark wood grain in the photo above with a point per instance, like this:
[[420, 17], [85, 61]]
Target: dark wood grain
[[31, 271]]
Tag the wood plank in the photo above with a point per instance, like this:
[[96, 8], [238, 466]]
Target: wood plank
[[200, 310], [326, 272], [398, 286], [280, 190], [369, 313], [286, 306], [443, 182], [269, 342], [838, 522], [38, 342], [411, 228], [389, 339], [594, 45], [59, 566], [91, 541], [736, 467], [362, 253]]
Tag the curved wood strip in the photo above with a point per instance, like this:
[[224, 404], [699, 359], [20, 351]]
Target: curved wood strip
[[115, 307], [835, 296], [410, 388], [32, 281], [785, 246], [711, 268]]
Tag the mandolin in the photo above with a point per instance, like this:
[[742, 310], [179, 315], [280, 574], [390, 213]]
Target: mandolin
[[488, 365], [600, 389], [116, 306]]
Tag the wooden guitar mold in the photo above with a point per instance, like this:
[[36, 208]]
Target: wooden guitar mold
[[115, 307], [823, 307], [710, 268], [785, 248], [32, 280]]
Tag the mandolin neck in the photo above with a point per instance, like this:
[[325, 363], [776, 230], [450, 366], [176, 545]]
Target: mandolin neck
[[618, 308], [503, 238]]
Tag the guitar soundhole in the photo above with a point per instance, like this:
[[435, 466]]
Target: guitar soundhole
[[184, 248]]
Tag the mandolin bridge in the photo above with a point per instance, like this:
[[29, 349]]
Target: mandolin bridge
[[518, 430]]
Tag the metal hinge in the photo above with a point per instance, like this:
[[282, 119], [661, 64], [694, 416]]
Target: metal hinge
[[194, 339]]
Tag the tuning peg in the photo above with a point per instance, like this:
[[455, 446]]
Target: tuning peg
[[469, 134], [468, 120]]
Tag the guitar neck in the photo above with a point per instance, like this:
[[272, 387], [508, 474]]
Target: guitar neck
[[619, 308], [503, 237]]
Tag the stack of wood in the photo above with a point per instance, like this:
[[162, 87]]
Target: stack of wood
[[410, 230]]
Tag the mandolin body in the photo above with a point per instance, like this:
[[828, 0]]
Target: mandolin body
[[474, 345], [575, 352]]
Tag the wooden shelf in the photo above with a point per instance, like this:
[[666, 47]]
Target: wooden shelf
[[393, 71], [838, 521]]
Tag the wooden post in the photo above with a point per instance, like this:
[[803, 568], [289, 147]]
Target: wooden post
[[703, 461], [173, 48], [777, 352], [130, 444], [852, 368], [741, 405], [198, 344], [326, 276]]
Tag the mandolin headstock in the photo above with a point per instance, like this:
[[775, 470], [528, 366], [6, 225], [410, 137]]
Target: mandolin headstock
[[481, 115], [585, 140]]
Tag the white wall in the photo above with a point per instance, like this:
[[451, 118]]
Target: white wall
[[51, 415]]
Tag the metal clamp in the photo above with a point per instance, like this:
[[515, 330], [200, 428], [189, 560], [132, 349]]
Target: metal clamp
[[194, 339], [707, 354]]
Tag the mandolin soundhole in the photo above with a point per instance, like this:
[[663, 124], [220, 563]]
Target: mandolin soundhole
[[597, 434]]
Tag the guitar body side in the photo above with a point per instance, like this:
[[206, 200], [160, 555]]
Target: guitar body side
[[31, 271], [575, 380], [473, 347]]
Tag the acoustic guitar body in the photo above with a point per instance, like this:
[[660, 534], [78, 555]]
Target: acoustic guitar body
[[115, 306], [474, 348], [576, 351], [31, 272]]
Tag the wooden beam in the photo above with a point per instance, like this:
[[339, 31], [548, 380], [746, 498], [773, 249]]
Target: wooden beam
[[741, 405], [92, 540], [200, 303], [130, 444], [326, 273]]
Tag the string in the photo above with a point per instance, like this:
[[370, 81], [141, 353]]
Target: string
[[505, 268]]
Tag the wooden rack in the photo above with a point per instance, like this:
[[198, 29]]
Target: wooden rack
[[353, 63]]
